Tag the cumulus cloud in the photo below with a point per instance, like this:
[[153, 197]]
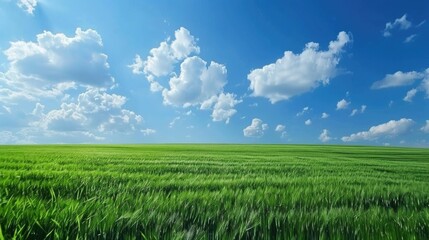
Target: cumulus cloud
[[94, 111], [342, 104], [161, 60], [256, 129], [391, 128], [295, 74], [137, 66], [223, 108], [397, 79], [27, 5], [410, 95], [197, 84], [308, 122], [325, 115], [324, 136], [53, 64], [400, 23], [280, 128], [425, 128]]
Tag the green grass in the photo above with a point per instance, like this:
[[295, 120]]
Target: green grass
[[213, 192]]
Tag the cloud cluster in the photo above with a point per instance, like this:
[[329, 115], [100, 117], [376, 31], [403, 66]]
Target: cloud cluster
[[28, 5], [54, 64], [401, 23], [324, 136], [198, 83], [94, 112], [324, 115], [389, 129], [223, 108], [161, 60], [256, 129], [399, 79], [357, 111], [295, 74], [304, 110], [410, 95], [342, 104]]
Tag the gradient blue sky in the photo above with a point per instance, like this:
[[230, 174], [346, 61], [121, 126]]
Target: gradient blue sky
[[214, 71]]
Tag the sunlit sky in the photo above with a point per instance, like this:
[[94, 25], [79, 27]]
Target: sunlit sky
[[301, 71]]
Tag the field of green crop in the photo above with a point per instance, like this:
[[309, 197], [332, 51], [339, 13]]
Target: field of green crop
[[213, 192]]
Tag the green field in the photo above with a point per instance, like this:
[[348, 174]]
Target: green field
[[213, 192]]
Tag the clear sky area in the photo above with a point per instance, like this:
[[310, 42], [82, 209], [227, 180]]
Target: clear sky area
[[192, 71]]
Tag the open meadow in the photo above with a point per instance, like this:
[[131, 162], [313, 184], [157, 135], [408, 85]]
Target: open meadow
[[213, 192]]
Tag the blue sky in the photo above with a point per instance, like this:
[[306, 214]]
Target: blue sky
[[315, 72]]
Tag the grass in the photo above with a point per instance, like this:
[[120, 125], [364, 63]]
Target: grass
[[213, 192]]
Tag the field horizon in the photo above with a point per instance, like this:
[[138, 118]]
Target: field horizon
[[213, 191]]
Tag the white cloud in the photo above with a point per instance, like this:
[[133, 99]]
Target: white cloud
[[421, 23], [425, 83], [199, 84], [138, 65], [161, 60], [38, 109], [223, 109], [7, 109], [196, 83], [410, 38], [184, 44], [397, 79], [256, 129], [324, 136], [173, 122], [27, 5], [389, 129], [54, 64], [148, 131], [410, 95], [94, 111], [425, 128], [308, 122], [280, 128], [295, 74], [304, 110], [356, 111], [342, 104], [401, 23], [325, 115]]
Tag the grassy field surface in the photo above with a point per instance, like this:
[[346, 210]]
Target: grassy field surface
[[213, 192]]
